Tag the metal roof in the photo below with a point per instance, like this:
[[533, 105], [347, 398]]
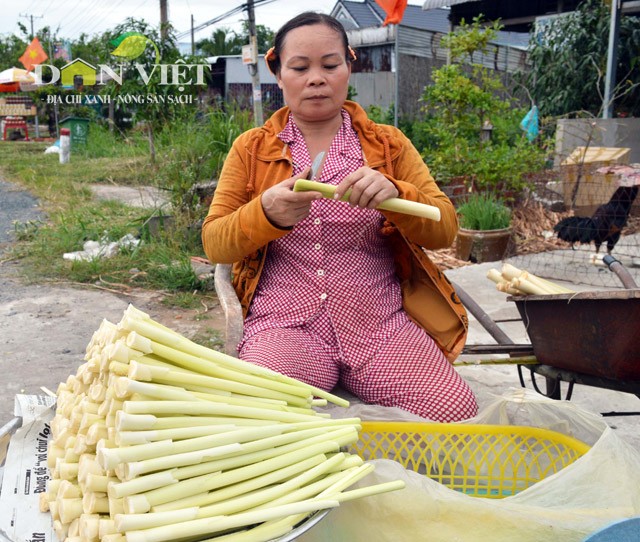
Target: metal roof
[[368, 13], [519, 40], [365, 14], [515, 16]]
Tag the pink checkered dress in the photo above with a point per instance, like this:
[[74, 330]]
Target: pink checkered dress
[[328, 307]]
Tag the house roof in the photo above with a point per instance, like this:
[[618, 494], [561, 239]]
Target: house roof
[[367, 13], [78, 62], [363, 14], [518, 16]]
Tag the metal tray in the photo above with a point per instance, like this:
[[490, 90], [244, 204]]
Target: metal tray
[[595, 333]]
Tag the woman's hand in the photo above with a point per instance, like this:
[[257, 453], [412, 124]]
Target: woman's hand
[[369, 188], [284, 207]]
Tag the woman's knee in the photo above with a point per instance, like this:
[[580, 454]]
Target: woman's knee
[[453, 404], [291, 352]]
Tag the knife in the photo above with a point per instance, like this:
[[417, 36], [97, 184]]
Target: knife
[[317, 165]]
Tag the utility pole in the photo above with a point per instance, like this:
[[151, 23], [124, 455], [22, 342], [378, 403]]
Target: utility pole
[[31, 18], [193, 40], [258, 119], [164, 19], [396, 81], [612, 60], [56, 111]]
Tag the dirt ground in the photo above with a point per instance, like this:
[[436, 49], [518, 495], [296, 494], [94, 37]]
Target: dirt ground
[[44, 329]]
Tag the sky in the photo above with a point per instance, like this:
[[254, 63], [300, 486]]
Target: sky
[[72, 17]]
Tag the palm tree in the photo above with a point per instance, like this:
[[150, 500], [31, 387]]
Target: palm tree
[[222, 42]]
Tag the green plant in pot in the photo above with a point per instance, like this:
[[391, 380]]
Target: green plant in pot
[[485, 229]]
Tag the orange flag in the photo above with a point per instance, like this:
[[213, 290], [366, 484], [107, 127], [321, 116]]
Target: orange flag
[[394, 10], [34, 54]]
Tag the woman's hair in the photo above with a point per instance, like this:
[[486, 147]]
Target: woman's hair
[[305, 19]]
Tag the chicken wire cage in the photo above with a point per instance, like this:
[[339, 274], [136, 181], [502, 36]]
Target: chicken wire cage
[[598, 191], [488, 461]]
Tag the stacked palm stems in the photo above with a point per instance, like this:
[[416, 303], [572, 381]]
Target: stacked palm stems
[[514, 281], [157, 438]]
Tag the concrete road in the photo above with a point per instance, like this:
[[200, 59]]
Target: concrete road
[[15, 205]]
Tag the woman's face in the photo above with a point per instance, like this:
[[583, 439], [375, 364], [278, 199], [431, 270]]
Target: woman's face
[[314, 75]]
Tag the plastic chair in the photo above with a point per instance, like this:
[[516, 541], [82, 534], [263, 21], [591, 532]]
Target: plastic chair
[[234, 321], [627, 530]]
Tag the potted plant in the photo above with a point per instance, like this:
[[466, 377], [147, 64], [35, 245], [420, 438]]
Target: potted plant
[[485, 228]]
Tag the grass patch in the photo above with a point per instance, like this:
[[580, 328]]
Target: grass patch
[[484, 211], [74, 217], [210, 338], [188, 151], [197, 300]]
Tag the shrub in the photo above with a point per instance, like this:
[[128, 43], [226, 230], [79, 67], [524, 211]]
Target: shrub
[[465, 99], [193, 151]]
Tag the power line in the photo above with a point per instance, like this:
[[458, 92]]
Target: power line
[[72, 9], [47, 8], [130, 15], [31, 5], [100, 21], [31, 18], [79, 18], [212, 21], [237, 9]]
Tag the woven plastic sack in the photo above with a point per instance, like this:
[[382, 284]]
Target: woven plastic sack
[[600, 487]]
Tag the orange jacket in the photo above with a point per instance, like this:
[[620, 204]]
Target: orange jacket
[[237, 231]]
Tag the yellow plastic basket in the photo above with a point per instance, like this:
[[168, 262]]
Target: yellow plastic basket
[[491, 461]]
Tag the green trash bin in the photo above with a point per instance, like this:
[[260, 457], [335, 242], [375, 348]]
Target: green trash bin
[[79, 129]]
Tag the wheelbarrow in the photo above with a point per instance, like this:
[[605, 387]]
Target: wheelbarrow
[[587, 338]]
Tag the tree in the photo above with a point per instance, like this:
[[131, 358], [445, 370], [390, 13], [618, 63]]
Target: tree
[[264, 36], [95, 49], [224, 41], [139, 47], [568, 63], [466, 102], [11, 48]]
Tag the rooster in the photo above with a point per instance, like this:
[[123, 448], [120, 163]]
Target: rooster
[[604, 226]]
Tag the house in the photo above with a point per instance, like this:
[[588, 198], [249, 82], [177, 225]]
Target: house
[[397, 60], [231, 82]]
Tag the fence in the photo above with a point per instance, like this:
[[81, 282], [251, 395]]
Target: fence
[[578, 262]]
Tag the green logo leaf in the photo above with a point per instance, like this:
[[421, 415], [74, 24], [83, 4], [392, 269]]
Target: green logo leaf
[[122, 37], [131, 45]]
